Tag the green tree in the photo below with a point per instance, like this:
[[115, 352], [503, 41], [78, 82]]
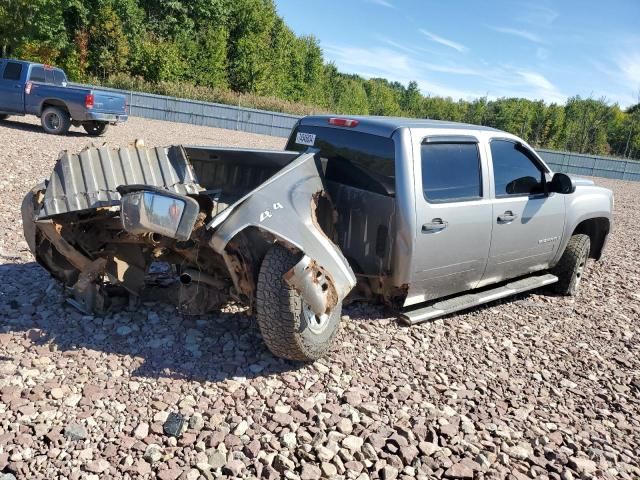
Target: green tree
[[382, 98], [249, 37], [351, 97], [33, 27], [586, 125], [108, 47], [411, 102]]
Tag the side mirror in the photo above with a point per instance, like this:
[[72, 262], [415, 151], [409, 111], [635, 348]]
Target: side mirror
[[562, 183], [161, 212]]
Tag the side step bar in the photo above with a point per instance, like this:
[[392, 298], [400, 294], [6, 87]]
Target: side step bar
[[462, 302]]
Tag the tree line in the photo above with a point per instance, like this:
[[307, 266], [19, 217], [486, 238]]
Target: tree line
[[231, 50]]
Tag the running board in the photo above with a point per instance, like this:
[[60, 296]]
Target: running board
[[455, 304]]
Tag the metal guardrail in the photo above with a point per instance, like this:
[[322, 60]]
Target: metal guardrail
[[172, 109], [160, 107], [591, 165]]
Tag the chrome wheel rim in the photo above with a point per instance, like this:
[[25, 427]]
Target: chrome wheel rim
[[316, 323], [581, 267]]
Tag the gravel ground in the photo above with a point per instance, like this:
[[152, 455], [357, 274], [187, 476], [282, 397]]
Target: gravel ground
[[536, 386]]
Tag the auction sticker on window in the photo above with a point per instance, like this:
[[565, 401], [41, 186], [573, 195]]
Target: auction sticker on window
[[305, 139]]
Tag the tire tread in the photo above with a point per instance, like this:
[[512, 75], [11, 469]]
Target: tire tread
[[64, 117], [279, 310], [566, 268]]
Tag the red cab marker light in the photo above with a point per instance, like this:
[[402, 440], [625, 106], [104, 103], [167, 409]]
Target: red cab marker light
[[344, 122], [88, 100]]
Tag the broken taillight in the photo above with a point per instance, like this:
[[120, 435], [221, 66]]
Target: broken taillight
[[344, 122], [88, 101]]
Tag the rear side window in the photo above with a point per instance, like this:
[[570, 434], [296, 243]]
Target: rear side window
[[37, 74], [12, 71], [357, 159], [514, 173], [48, 73], [59, 77], [451, 172]]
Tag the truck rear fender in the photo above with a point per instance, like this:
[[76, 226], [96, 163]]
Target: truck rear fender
[[284, 206]]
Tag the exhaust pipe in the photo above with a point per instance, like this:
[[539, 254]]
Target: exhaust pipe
[[191, 275]]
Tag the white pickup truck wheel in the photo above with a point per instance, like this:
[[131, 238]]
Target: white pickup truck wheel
[[572, 264], [289, 327]]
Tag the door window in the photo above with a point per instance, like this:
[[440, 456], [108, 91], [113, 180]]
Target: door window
[[12, 71], [514, 172], [451, 172]]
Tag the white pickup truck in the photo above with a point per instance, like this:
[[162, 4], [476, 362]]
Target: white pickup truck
[[427, 217]]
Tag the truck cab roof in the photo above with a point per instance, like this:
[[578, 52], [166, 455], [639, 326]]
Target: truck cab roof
[[54, 75], [385, 126]]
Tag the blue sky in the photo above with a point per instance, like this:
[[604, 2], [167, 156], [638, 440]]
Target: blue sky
[[541, 49]]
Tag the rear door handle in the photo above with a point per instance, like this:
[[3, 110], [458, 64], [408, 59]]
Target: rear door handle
[[435, 225], [507, 217]]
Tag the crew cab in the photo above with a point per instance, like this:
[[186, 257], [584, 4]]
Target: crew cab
[[427, 217], [28, 88]]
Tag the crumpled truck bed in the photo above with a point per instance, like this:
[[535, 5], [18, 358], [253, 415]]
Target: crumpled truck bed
[[72, 224], [89, 179]]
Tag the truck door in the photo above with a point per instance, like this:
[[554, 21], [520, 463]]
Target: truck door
[[527, 223], [453, 217], [12, 87]]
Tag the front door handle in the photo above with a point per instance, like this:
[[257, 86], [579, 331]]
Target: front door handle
[[507, 217], [435, 225]]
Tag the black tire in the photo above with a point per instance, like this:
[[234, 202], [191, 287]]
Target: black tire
[[95, 129], [55, 120], [571, 267], [284, 319], [3, 116]]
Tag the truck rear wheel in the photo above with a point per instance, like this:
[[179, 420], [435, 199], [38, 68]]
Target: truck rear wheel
[[95, 129], [289, 327], [572, 264], [55, 120]]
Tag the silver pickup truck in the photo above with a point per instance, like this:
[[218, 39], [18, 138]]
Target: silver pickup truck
[[427, 217]]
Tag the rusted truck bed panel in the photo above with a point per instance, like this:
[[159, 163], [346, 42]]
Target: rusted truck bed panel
[[89, 179]]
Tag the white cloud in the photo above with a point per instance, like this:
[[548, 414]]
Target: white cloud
[[536, 80], [416, 53], [542, 53], [538, 15], [629, 65], [621, 73], [382, 3], [394, 66], [540, 87], [532, 37], [402, 65], [443, 41]]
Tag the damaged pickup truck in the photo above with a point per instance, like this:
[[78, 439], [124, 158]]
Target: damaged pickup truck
[[427, 217]]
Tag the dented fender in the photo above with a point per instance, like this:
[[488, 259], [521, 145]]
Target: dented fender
[[285, 206]]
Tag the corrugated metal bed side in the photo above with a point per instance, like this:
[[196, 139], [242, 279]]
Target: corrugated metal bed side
[[89, 179]]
